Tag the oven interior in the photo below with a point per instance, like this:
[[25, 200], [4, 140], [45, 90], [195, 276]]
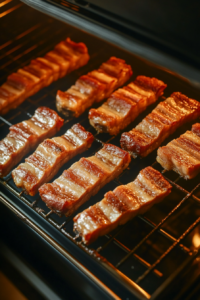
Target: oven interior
[[141, 259]]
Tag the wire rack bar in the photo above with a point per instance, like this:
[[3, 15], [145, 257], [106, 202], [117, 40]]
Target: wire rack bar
[[168, 251], [151, 232]]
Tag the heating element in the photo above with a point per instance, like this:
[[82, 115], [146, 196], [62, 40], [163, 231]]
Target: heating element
[[148, 253]]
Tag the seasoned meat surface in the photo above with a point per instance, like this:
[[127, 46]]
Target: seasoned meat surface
[[159, 124], [25, 136], [84, 179], [121, 205], [49, 157], [124, 105], [42, 71], [183, 154], [93, 87]]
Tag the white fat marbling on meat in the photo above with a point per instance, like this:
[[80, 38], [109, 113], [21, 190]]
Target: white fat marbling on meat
[[75, 91], [34, 127], [183, 154], [140, 193], [29, 75], [140, 90], [16, 143], [62, 141], [148, 184], [165, 109], [84, 87], [47, 154], [65, 63], [54, 66], [85, 224], [12, 90], [112, 68], [126, 198], [102, 76], [115, 160], [68, 185], [134, 96], [188, 148], [4, 158], [171, 101], [148, 128], [74, 138], [192, 137], [109, 211], [69, 51], [109, 111], [38, 173], [82, 173], [4, 148], [105, 167], [44, 119], [115, 106]]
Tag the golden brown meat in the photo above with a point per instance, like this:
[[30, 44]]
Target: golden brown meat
[[126, 104], [159, 124], [25, 136], [84, 179], [66, 57], [183, 154], [121, 205], [93, 87], [49, 157]]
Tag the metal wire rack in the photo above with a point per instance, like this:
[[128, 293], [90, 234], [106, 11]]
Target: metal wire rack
[[152, 249]]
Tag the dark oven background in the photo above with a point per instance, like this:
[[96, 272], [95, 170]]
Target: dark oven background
[[37, 247]]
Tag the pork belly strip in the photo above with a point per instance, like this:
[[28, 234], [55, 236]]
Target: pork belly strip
[[160, 123], [25, 136], [93, 87], [66, 57], [49, 157], [183, 154], [121, 205], [126, 104], [84, 179]]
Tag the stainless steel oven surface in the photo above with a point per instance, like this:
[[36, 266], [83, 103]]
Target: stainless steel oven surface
[[153, 256]]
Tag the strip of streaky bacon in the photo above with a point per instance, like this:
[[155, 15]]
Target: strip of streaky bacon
[[121, 205], [66, 57], [93, 87], [183, 154], [25, 136], [160, 123], [124, 105], [49, 157], [84, 179]]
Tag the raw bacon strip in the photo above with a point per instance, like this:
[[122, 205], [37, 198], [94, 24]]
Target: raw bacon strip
[[93, 87], [183, 154], [66, 57], [25, 136], [84, 179], [126, 104], [121, 205], [160, 123], [49, 157]]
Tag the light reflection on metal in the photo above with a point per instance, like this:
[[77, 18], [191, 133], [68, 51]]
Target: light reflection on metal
[[5, 2], [20, 36], [70, 5], [196, 240], [10, 10], [27, 31], [20, 55]]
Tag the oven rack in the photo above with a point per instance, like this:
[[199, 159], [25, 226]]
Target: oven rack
[[35, 204]]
